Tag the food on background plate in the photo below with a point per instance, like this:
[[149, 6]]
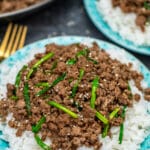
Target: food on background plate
[[77, 97], [131, 19], [12, 5], [141, 8]]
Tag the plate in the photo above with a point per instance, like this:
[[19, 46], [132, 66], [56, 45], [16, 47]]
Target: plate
[[12, 64], [97, 19], [22, 12]]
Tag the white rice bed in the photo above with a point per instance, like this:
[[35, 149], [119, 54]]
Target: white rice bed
[[123, 23], [136, 117]]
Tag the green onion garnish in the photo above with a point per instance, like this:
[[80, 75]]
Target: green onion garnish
[[129, 87], [123, 112], [81, 74], [36, 65], [43, 91], [74, 90], [101, 117], [113, 113], [83, 52], [95, 84], [75, 87], [122, 126], [15, 98], [37, 127], [17, 83], [43, 84], [147, 5], [111, 116], [18, 77], [41, 143], [60, 78], [71, 61], [54, 65], [27, 98], [105, 131], [66, 110], [121, 133], [92, 60]]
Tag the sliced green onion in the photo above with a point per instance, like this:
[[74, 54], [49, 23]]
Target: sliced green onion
[[129, 87], [41, 143], [38, 126], [81, 74], [71, 61], [95, 84], [18, 77], [111, 116], [43, 91], [147, 5], [123, 112], [60, 78], [54, 65], [15, 98], [75, 87], [36, 65], [83, 52], [101, 117], [43, 84], [66, 110], [27, 98], [74, 90], [92, 60], [70, 80], [121, 133], [122, 126], [17, 83], [105, 131], [113, 113]]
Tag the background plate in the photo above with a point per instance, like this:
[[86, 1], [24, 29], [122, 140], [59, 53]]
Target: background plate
[[25, 11], [9, 64], [97, 19]]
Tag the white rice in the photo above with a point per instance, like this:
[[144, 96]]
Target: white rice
[[135, 117], [123, 23]]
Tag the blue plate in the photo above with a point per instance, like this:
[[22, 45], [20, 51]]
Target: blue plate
[[8, 65], [97, 19]]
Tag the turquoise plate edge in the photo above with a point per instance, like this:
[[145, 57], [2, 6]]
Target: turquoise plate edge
[[97, 19], [65, 40]]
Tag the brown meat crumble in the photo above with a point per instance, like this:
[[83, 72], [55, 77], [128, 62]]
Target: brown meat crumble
[[140, 7], [65, 131], [12, 5]]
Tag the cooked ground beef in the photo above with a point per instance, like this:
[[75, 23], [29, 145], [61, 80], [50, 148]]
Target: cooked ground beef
[[140, 7], [147, 94], [65, 131], [11, 5]]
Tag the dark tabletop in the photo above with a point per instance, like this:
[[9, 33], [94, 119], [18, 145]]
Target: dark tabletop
[[63, 17]]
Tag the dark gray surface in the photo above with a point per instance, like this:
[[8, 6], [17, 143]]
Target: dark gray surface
[[63, 17]]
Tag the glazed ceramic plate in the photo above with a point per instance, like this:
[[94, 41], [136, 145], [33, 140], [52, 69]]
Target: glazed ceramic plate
[[97, 19], [22, 12], [8, 66]]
